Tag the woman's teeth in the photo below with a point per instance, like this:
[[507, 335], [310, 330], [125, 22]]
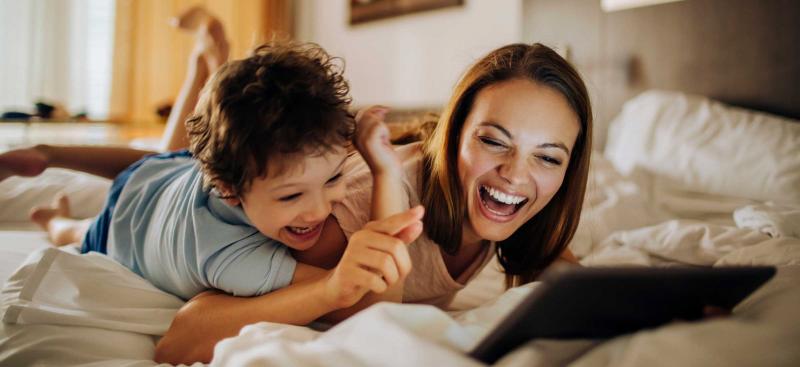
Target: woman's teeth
[[503, 197]]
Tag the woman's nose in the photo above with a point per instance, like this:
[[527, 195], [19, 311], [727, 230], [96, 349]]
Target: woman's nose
[[515, 171]]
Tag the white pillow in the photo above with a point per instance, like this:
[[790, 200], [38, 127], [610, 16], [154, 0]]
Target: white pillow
[[62, 308], [708, 147], [87, 193], [613, 202]]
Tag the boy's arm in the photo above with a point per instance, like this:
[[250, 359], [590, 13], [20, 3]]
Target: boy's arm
[[314, 292], [372, 140], [389, 195]]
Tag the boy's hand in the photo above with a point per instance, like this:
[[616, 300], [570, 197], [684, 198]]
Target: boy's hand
[[376, 258], [372, 141]]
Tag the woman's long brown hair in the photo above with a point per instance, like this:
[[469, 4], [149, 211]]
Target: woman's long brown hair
[[541, 240]]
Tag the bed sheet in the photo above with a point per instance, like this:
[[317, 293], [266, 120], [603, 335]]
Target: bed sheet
[[17, 241], [53, 329], [629, 220]]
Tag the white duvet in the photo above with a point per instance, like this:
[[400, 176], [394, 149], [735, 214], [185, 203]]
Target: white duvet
[[66, 309], [61, 308]]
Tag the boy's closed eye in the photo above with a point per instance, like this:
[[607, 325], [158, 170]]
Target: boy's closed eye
[[290, 197], [331, 181], [334, 179]]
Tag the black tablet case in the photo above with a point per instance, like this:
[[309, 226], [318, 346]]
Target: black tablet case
[[604, 302]]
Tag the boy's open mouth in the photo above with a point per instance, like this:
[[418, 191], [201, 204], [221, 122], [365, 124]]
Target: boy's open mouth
[[301, 230], [302, 234], [500, 203]]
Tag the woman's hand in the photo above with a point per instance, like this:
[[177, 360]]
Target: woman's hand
[[376, 258], [372, 141]]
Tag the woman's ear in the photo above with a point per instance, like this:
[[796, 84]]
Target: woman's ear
[[226, 194]]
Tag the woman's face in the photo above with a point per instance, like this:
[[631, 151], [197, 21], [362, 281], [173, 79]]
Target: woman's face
[[513, 153]]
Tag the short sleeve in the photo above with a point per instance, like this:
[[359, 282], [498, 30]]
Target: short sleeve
[[352, 212], [250, 267]]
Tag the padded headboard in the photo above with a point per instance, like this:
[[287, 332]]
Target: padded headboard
[[741, 52]]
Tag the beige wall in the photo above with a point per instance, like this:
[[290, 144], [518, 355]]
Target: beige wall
[[414, 60]]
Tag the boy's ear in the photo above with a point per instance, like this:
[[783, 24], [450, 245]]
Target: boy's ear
[[225, 193]]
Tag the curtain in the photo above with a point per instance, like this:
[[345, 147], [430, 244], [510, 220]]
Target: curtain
[[150, 56], [57, 51]]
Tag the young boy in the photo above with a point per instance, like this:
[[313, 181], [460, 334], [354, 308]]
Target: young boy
[[267, 142]]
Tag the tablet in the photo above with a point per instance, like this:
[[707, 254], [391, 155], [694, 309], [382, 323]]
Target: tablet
[[589, 303]]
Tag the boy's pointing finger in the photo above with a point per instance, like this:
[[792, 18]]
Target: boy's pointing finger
[[396, 223]]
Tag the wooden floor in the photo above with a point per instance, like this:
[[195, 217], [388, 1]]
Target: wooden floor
[[16, 134]]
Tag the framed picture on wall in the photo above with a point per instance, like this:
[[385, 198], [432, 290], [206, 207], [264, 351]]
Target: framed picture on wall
[[367, 10]]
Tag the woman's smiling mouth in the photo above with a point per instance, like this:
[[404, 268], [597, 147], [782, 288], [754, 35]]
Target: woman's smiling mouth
[[499, 206]]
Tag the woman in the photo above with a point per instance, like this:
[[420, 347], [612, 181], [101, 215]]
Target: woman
[[504, 172]]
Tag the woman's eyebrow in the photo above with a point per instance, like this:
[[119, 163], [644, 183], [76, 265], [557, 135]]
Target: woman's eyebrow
[[555, 145], [498, 127], [507, 133]]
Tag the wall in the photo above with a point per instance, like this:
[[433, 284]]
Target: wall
[[413, 60], [150, 56], [741, 52]]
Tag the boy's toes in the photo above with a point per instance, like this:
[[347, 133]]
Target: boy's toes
[[42, 215], [62, 205]]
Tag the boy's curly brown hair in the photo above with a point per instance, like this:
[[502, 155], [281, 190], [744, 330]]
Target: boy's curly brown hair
[[259, 114]]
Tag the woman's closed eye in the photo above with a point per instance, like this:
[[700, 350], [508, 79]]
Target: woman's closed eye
[[492, 143], [550, 160]]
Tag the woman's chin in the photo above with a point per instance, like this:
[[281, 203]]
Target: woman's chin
[[490, 231]]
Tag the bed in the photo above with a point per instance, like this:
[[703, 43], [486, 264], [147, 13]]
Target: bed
[[648, 204], [676, 179]]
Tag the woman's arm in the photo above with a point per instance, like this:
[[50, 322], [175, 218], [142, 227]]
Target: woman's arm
[[212, 316]]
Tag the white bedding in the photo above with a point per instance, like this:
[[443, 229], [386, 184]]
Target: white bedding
[[60, 316], [66, 309]]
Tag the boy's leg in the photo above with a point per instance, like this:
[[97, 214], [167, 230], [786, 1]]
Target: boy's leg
[[209, 53], [61, 228], [105, 162], [22, 162]]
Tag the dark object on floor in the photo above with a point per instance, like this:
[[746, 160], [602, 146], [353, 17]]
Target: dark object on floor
[[16, 116], [44, 110]]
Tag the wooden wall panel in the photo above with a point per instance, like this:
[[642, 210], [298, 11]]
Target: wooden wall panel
[[150, 55], [742, 52]]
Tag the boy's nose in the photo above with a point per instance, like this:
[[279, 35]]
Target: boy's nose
[[319, 212]]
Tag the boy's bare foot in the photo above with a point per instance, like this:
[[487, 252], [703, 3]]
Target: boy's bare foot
[[55, 219], [216, 47], [22, 162], [210, 41]]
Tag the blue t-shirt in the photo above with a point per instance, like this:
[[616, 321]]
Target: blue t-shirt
[[184, 240]]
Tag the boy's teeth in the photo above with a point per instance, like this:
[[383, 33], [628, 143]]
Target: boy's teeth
[[301, 230], [503, 197]]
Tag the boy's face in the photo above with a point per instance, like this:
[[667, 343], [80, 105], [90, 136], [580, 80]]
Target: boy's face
[[293, 206]]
